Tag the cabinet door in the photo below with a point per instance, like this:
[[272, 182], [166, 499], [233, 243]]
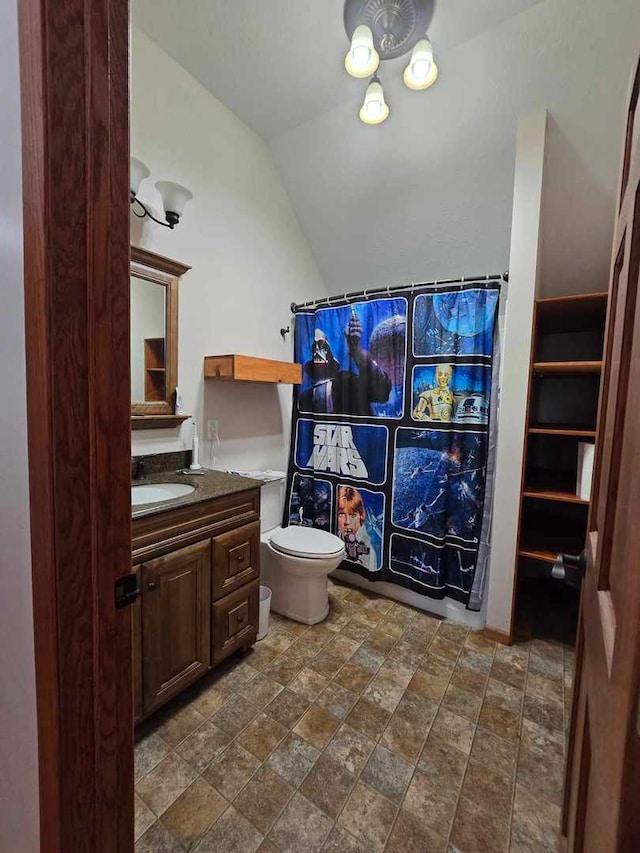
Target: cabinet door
[[176, 622], [136, 648], [235, 620], [236, 559]]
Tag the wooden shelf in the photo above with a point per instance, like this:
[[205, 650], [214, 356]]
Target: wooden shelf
[[548, 495], [246, 368], [570, 430], [566, 368], [157, 421], [559, 486]]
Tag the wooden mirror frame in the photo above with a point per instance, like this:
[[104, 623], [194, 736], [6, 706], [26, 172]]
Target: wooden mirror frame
[[166, 272]]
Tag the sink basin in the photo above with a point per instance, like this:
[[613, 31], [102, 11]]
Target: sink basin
[[153, 493]]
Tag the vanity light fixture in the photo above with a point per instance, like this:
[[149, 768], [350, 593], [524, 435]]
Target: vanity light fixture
[[386, 29], [174, 196]]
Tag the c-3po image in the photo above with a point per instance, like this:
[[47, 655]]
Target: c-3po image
[[436, 404]]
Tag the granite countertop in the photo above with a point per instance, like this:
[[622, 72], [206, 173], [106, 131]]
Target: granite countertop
[[211, 484]]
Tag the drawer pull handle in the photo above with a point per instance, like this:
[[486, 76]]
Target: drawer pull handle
[[240, 617], [151, 585]]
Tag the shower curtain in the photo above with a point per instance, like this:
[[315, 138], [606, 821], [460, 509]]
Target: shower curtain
[[390, 434]]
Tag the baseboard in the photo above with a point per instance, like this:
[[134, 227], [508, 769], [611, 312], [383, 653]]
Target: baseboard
[[496, 635]]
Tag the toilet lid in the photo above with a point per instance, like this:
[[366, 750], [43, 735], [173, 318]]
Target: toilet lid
[[306, 542]]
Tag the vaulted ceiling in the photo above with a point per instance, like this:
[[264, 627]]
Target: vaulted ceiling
[[279, 63]]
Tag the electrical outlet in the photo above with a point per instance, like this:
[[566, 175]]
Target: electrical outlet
[[213, 427]]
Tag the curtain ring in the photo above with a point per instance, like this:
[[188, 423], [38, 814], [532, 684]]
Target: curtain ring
[[388, 290], [364, 293]]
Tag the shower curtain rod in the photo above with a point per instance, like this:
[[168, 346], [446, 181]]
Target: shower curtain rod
[[334, 300]]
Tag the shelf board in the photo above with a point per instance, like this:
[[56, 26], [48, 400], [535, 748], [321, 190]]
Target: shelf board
[[157, 421], [246, 368], [542, 556], [550, 495], [567, 368], [549, 485], [571, 430], [156, 369]]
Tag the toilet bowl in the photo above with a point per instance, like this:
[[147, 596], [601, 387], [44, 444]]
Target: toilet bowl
[[296, 564], [295, 561]]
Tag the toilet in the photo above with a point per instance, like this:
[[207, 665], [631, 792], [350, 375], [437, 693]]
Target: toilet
[[296, 561]]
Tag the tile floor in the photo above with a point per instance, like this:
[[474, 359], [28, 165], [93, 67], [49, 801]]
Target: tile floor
[[382, 729]]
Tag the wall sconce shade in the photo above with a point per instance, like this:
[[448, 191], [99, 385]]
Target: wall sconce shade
[[174, 196], [422, 71], [138, 171], [362, 59], [375, 109]]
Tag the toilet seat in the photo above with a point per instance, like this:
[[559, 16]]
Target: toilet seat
[[305, 542]]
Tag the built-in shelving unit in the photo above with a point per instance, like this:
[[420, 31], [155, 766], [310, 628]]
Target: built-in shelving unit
[[155, 370], [246, 368], [566, 366]]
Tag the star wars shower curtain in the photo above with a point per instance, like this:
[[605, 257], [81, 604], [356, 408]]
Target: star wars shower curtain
[[390, 433]]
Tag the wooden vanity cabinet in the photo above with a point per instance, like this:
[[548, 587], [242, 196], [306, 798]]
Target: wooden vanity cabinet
[[199, 571], [176, 622]]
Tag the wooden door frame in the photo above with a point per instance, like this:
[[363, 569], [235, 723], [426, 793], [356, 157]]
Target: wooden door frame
[[74, 59]]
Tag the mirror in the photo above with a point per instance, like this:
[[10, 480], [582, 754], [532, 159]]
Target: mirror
[[154, 338]]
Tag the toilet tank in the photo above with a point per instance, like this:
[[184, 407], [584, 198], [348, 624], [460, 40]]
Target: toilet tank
[[271, 504]]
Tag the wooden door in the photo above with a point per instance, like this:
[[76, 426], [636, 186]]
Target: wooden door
[[603, 774], [176, 622]]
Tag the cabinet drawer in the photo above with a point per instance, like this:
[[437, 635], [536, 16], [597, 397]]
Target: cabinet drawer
[[236, 559], [235, 620]]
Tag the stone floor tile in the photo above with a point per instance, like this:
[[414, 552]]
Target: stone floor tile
[[356, 631], [453, 631], [499, 722], [261, 736], [440, 761], [308, 684], [209, 701], [388, 773], [402, 737], [284, 669], [410, 834], [287, 708], [505, 696], [432, 801], [235, 715], [342, 647], [494, 752], [326, 664], [293, 759], [462, 702], [263, 799], [391, 629], [398, 672], [231, 771], [490, 790], [178, 724], [350, 748], [302, 827], [157, 840], [406, 653], [143, 817], [201, 747], [454, 730], [189, 817], [536, 819], [337, 700], [428, 686], [261, 690], [477, 641], [368, 816], [383, 692], [164, 784], [317, 726], [478, 831], [419, 712], [368, 718], [470, 680], [437, 666], [477, 661], [509, 672], [328, 785], [368, 658], [148, 753], [548, 668], [353, 677], [444, 648], [341, 841], [381, 641], [231, 833], [547, 713], [541, 762]]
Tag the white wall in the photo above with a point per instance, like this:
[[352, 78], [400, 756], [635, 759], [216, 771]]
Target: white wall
[[248, 254], [428, 194], [19, 815], [524, 278]]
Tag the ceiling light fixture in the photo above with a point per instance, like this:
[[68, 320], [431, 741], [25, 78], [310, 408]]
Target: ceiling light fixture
[[422, 71], [385, 29], [375, 109], [362, 59], [174, 196]]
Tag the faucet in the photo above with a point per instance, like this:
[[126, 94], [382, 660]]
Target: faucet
[[138, 468]]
